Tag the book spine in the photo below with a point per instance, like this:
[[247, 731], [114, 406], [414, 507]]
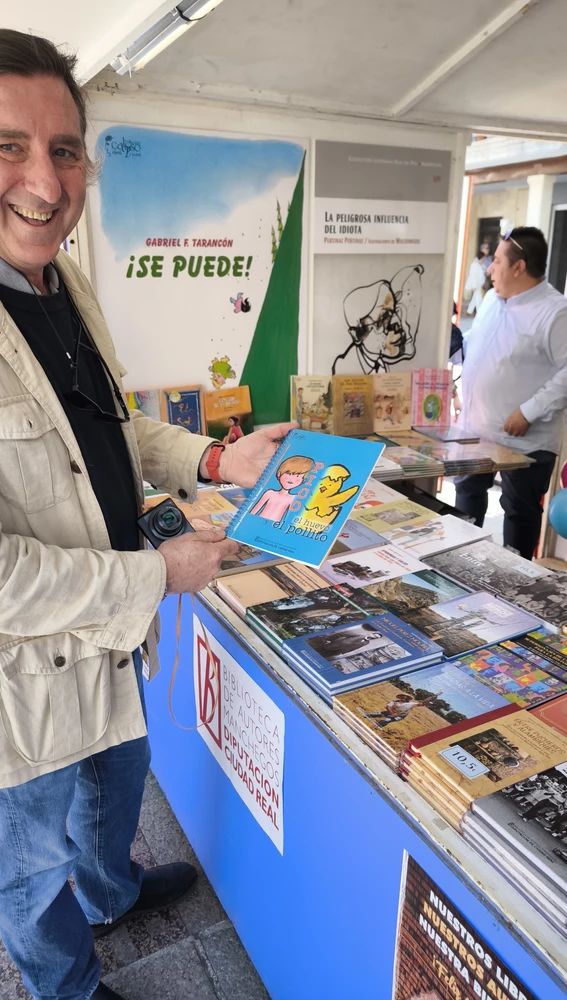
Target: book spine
[[264, 478]]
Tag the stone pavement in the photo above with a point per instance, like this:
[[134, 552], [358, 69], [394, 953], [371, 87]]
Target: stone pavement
[[189, 952]]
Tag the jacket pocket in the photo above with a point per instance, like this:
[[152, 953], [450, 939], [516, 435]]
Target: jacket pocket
[[55, 696], [35, 470]]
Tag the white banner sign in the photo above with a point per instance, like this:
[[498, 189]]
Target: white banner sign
[[354, 225], [244, 730]]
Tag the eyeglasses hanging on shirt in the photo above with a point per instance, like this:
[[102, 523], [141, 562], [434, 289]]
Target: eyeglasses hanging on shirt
[[77, 397]]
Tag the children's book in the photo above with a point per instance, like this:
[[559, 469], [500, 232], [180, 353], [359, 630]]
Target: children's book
[[374, 494], [359, 569], [228, 413], [148, 401], [312, 402], [183, 405], [354, 536], [353, 409], [304, 496], [432, 391], [392, 401]]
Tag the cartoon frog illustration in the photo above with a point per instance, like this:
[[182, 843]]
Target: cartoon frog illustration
[[221, 370]]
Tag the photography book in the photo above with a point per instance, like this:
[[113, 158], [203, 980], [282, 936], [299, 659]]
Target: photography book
[[351, 656], [472, 621], [183, 406], [359, 569], [392, 401], [312, 402], [423, 589], [228, 413], [439, 534], [449, 433], [297, 615], [304, 496], [394, 514], [432, 391], [353, 411], [241, 590]]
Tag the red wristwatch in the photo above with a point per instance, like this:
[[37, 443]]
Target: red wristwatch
[[213, 462]]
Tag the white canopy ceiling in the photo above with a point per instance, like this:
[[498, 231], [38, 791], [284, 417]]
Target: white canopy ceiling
[[489, 65]]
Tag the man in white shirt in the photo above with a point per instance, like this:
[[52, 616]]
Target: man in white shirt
[[514, 384]]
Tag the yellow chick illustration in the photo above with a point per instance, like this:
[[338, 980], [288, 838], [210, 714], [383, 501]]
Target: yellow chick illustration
[[328, 498]]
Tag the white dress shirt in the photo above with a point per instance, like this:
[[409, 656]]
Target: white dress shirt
[[516, 357]]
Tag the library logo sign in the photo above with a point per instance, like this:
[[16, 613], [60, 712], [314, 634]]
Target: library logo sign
[[243, 728]]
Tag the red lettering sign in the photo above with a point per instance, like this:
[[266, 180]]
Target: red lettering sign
[[209, 691]]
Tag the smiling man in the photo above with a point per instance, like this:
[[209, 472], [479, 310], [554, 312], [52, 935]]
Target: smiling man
[[514, 384], [78, 596]]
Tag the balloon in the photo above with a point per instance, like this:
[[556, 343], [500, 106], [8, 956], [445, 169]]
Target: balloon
[[558, 513]]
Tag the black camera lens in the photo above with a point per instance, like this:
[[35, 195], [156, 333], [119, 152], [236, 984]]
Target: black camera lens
[[168, 522]]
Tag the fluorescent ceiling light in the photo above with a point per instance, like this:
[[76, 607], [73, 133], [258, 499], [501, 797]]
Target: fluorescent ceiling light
[[161, 34]]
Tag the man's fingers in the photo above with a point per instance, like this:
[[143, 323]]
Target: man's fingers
[[226, 548], [280, 430], [209, 535]]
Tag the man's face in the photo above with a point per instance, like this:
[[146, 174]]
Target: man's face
[[504, 275], [42, 169]]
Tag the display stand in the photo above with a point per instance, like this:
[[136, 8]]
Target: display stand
[[319, 921]]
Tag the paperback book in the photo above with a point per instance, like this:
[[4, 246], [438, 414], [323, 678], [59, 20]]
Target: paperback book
[[312, 402], [439, 534], [354, 536], [350, 656], [392, 401], [359, 569], [241, 590], [394, 514], [305, 496], [432, 391], [487, 566], [228, 413], [472, 621], [183, 406], [353, 412]]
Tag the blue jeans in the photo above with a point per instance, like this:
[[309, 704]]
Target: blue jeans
[[78, 821]]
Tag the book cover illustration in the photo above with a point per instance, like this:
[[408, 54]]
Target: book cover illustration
[[228, 413], [422, 701], [396, 513], [312, 402], [340, 656], [306, 494], [359, 569], [468, 622], [374, 494], [302, 614], [352, 405], [183, 406], [392, 401], [435, 535], [519, 681], [148, 401], [432, 391], [354, 536], [532, 815], [423, 589], [546, 649], [426, 968]]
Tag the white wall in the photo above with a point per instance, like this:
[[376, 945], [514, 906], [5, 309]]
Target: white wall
[[322, 287]]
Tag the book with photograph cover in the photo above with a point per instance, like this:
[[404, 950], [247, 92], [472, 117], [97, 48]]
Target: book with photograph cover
[[354, 536], [348, 656], [469, 622], [392, 401], [312, 402], [241, 590], [394, 514], [228, 413], [487, 566], [439, 534], [422, 589], [353, 410], [148, 401], [304, 496], [432, 391], [359, 569], [423, 969], [531, 815], [303, 614], [183, 406]]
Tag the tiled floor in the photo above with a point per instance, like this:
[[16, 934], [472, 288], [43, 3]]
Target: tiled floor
[[189, 952]]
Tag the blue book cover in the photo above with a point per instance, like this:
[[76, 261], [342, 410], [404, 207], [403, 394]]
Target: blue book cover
[[305, 495], [377, 646]]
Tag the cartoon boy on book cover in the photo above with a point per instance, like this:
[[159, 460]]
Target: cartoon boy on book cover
[[274, 504]]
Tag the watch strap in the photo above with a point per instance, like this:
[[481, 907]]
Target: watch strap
[[213, 462]]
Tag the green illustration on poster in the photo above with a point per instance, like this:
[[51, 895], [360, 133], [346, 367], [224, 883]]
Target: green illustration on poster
[[197, 252]]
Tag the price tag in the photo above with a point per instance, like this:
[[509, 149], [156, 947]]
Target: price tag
[[463, 761]]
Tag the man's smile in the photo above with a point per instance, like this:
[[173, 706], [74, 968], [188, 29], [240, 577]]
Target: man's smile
[[32, 217]]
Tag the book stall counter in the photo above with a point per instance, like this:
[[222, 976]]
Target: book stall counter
[[341, 880]]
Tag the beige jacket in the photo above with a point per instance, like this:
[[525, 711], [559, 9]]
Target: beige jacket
[[71, 609]]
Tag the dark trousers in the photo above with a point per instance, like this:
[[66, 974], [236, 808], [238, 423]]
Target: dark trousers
[[522, 493]]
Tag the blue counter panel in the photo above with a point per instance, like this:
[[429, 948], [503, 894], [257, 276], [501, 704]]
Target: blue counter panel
[[320, 921]]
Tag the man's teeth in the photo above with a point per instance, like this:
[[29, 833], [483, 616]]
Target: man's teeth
[[42, 216]]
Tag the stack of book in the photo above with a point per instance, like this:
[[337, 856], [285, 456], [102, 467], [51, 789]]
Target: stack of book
[[487, 566], [386, 469], [391, 714], [411, 464], [354, 655], [458, 459], [467, 761]]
